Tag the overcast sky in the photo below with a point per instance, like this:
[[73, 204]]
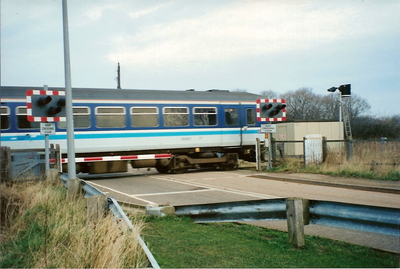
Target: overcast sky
[[260, 45]]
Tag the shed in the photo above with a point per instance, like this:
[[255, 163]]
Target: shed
[[297, 130]]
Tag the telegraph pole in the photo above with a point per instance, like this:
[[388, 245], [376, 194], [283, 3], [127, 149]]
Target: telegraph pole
[[118, 77], [68, 97]]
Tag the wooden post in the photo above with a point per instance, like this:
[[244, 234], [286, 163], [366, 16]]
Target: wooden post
[[52, 176], [97, 207], [324, 148], [295, 209], [258, 154], [273, 148], [6, 166], [74, 189], [349, 150], [58, 165], [306, 211]]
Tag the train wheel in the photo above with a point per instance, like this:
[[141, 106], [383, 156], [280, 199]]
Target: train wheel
[[179, 168], [162, 169], [227, 167], [179, 171]]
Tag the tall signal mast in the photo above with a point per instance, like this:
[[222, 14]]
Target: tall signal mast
[[118, 77]]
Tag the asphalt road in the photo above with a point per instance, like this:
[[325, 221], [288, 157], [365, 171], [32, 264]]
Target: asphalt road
[[142, 187]]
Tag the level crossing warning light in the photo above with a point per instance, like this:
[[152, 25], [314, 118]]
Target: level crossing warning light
[[271, 110], [45, 106]]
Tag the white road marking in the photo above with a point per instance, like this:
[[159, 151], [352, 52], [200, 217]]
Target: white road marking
[[123, 193], [211, 187], [171, 192]]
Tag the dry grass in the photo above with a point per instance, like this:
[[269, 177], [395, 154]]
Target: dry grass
[[57, 234], [371, 159]]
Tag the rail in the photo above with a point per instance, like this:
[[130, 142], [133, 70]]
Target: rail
[[117, 211]]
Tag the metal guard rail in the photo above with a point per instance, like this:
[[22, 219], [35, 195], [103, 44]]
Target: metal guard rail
[[343, 215], [274, 209], [357, 217], [116, 209]]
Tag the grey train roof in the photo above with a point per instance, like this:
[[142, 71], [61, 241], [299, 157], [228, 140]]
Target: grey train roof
[[122, 94]]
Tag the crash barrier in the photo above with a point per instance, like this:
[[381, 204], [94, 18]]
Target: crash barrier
[[27, 163], [98, 203], [298, 212]]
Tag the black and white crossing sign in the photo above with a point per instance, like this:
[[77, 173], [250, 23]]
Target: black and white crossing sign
[[268, 128], [47, 128]]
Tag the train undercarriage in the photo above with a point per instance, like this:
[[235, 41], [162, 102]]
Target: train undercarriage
[[180, 161]]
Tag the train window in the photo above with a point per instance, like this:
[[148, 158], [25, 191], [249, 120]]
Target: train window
[[144, 116], [251, 116], [205, 116], [176, 116], [231, 116], [81, 118], [22, 119], [5, 118], [110, 117]]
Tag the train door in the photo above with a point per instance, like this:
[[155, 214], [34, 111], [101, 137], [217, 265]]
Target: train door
[[248, 128], [230, 123]]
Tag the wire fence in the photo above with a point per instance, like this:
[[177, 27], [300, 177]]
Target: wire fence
[[373, 153]]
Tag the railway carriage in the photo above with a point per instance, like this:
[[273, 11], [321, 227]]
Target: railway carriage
[[170, 130]]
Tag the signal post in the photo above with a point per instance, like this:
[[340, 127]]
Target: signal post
[[270, 110], [46, 107]]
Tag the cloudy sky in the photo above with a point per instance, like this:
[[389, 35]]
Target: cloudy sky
[[254, 45]]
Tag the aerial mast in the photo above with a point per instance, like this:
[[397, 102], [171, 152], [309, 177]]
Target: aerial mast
[[118, 77]]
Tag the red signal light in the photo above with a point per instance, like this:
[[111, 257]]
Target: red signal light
[[266, 107], [42, 101], [54, 110], [277, 110]]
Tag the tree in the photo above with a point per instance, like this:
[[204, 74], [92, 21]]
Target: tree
[[357, 106], [330, 104], [269, 94], [303, 104], [368, 127]]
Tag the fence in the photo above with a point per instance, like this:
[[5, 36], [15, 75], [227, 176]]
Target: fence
[[375, 152], [27, 163]]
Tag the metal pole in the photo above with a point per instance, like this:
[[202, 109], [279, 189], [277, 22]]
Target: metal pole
[[258, 154], [46, 152], [46, 146], [68, 96], [340, 116], [340, 123], [269, 151]]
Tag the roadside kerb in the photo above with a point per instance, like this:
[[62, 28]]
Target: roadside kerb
[[336, 184]]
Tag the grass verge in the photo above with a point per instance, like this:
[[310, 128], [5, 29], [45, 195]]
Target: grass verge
[[345, 169], [180, 243], [45, 230]]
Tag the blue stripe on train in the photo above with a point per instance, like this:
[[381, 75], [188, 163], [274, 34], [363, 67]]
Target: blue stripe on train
[[127, 135]]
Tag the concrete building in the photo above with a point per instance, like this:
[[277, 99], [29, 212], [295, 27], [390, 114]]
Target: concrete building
[[297, 130]]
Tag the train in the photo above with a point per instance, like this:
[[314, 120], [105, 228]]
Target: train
[[170, 130]]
